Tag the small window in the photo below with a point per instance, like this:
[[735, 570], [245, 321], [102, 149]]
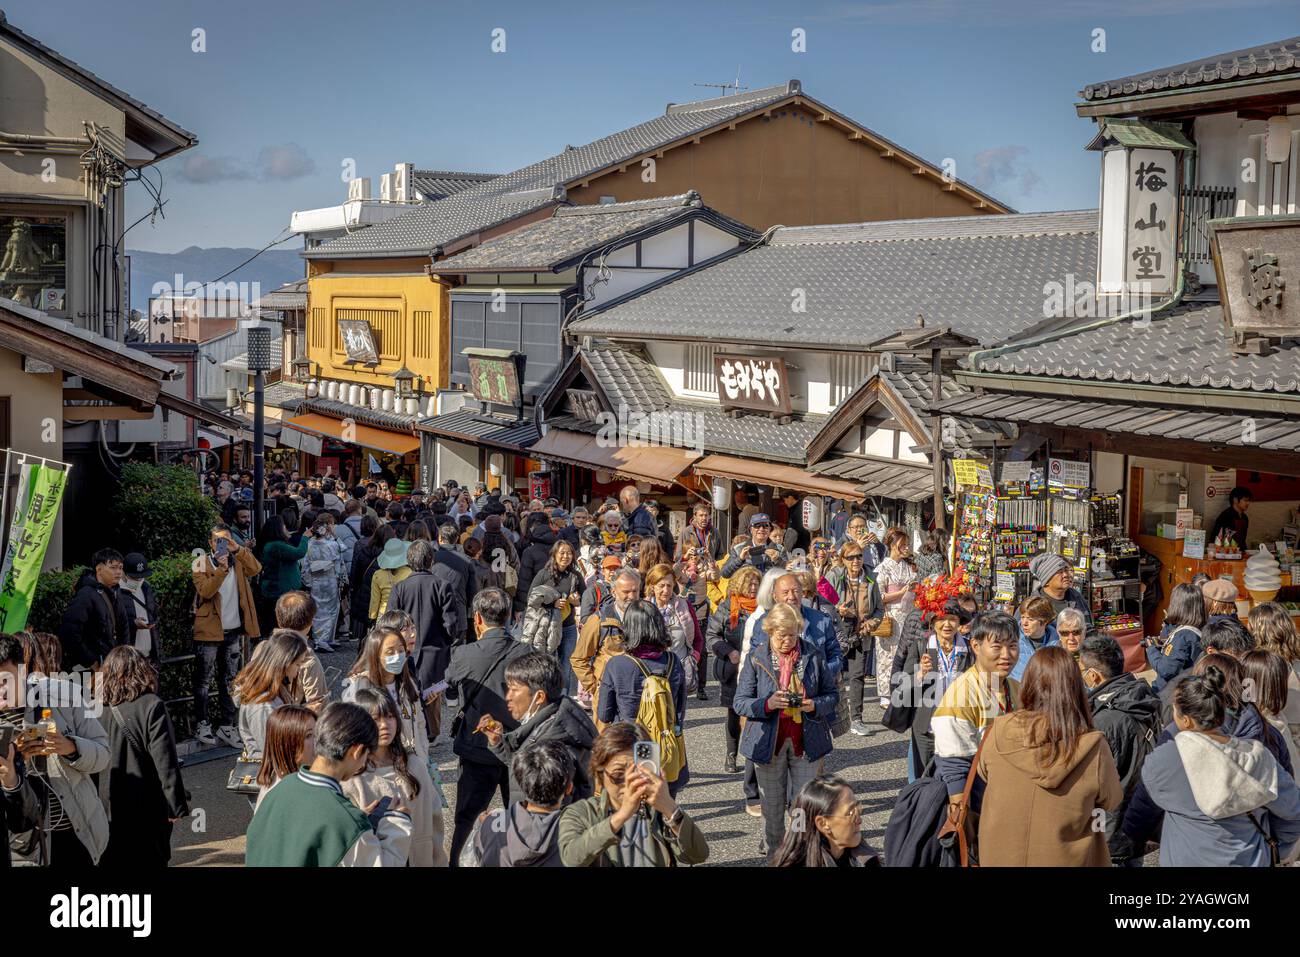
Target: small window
[[33, 266], [606, 200], [697, 369]]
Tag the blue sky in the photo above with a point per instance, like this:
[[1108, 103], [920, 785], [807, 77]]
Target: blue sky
[[287, 91]]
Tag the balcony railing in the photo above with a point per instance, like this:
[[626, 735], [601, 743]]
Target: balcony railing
[[1200, 204]]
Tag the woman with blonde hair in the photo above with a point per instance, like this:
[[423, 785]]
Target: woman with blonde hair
[[679, 619], [787, 696], [726, 637]]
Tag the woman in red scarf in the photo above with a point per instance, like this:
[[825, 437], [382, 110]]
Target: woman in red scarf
[[725, 636]]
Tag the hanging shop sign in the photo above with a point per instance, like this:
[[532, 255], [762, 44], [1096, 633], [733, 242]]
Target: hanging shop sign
[[359, 341], [1014, 472], [970, 472], [750, 382], [1219, 483], [496, 375], [539, 485]]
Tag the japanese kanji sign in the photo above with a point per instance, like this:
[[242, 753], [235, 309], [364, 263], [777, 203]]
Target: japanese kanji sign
[[494, 380], [36, 506], [359, 341], [746, 382], [1152, 221]]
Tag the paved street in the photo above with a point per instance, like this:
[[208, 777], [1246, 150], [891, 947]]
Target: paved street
[[875, 766]]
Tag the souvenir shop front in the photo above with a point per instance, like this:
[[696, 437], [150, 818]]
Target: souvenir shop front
[[1135, 512]]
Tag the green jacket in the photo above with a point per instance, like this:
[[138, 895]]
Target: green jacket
[[587, 840], [280, 569], [304, 821]]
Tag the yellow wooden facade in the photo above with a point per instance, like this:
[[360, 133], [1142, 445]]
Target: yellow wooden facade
[[407, 311]]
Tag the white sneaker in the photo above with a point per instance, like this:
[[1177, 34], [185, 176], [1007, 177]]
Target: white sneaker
[[203, 733], [326, 647], [230, 736]]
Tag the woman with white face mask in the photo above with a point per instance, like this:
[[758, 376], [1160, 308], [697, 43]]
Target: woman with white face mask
[[384, 667]]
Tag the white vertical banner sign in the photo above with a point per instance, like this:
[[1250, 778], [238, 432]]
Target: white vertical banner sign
[[1150, 266]]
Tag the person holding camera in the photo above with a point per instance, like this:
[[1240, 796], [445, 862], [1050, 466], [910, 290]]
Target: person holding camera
[[761, 550], [632, 820], [224, 613], [788, 696]]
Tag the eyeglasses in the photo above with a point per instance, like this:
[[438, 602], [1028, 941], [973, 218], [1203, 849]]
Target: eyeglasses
[[855, 814], [1072, 631]]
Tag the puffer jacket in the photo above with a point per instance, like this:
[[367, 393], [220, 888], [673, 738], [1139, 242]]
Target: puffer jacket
[[543, 628], [73, 781], [1127, 712], [1210, 791]]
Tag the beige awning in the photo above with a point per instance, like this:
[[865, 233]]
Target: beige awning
[[659, 464], [780, 476]]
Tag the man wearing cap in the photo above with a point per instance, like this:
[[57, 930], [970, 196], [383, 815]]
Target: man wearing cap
[[141, 603], [760, 551], [1055, 582], [564, 529]]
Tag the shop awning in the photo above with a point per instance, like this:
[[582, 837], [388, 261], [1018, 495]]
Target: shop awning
[[782, 476], [365, 436], [659, 464], [880, 478]]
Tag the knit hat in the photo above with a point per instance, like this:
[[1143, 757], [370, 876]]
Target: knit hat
[[1044, 566], [492, 523]]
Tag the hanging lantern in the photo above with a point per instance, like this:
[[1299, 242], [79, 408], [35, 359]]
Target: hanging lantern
[[354, 394], [313, 389], [1277, 143], [496, 464], [374, 399], [812, 513], [404, 380], [386, 400], [721, 494], [603, 476]]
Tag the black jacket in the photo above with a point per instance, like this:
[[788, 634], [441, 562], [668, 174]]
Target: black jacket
[[94, 623], [477, 674], [433, 600], [20, 810], [144, 785], [756, 556], [1127, 712], [565, 723], [149, 613], [460, 564], [363, 570], [722, 639], [565, 583], [911, 836], [533, 557]]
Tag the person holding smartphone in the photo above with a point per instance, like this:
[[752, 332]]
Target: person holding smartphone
[[20, 810], [632, 820]]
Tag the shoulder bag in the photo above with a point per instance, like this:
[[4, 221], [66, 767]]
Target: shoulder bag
[[958, 835]]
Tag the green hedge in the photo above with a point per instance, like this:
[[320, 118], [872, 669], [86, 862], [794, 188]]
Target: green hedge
[[171, 580], [159, 509]]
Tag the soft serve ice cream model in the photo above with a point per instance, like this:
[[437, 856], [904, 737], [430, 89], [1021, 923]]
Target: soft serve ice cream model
[[1263, 577]]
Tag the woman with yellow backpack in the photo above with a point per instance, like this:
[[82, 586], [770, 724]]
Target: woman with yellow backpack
[[646, 685]]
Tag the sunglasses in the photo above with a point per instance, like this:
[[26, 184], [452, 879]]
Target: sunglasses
[[853, 558], [761, 525]]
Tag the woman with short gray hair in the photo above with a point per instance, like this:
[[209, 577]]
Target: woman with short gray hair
[[1072, 626]]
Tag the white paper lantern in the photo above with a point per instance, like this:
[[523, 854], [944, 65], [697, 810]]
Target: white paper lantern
[[1277, 144], [496, 464], [603, 476], [386, 400], [374, 400], [721, 494], [812, 513], [354, 394], [412, 406], [313, 389]]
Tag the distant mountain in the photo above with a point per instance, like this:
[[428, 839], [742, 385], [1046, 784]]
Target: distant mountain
[[272, 269]]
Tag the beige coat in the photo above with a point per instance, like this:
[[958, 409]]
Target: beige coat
[[1035, 816], [207, 579]]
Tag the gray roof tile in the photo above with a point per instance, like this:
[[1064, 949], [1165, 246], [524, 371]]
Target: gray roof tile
[[983, 276], [1277, 57], [492, 429], [912, 381], [575, 230], [1190, 347], [435, 184]]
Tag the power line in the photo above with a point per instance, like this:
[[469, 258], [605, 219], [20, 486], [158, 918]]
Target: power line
[[274, 242]]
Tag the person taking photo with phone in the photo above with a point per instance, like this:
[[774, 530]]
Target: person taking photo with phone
[[632, 820]]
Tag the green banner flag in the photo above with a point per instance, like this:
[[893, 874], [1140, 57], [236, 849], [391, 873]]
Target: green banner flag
[[36, 506]]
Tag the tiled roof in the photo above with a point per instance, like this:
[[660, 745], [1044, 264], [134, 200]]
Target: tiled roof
[[912, 381], [292, 295], [1280, 56], [983, 276], [885, 478], [432, 225], [1190, 346], [1208, 426], [286, 395], [397, 421], [575, 230], [488, 429], [435, 184], [239, 363], [134, 352], [628, 378]]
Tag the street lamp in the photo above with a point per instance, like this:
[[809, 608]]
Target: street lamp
[[403, 380], [259, 363]]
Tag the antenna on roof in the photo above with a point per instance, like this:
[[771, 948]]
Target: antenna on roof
[[735, 87]]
